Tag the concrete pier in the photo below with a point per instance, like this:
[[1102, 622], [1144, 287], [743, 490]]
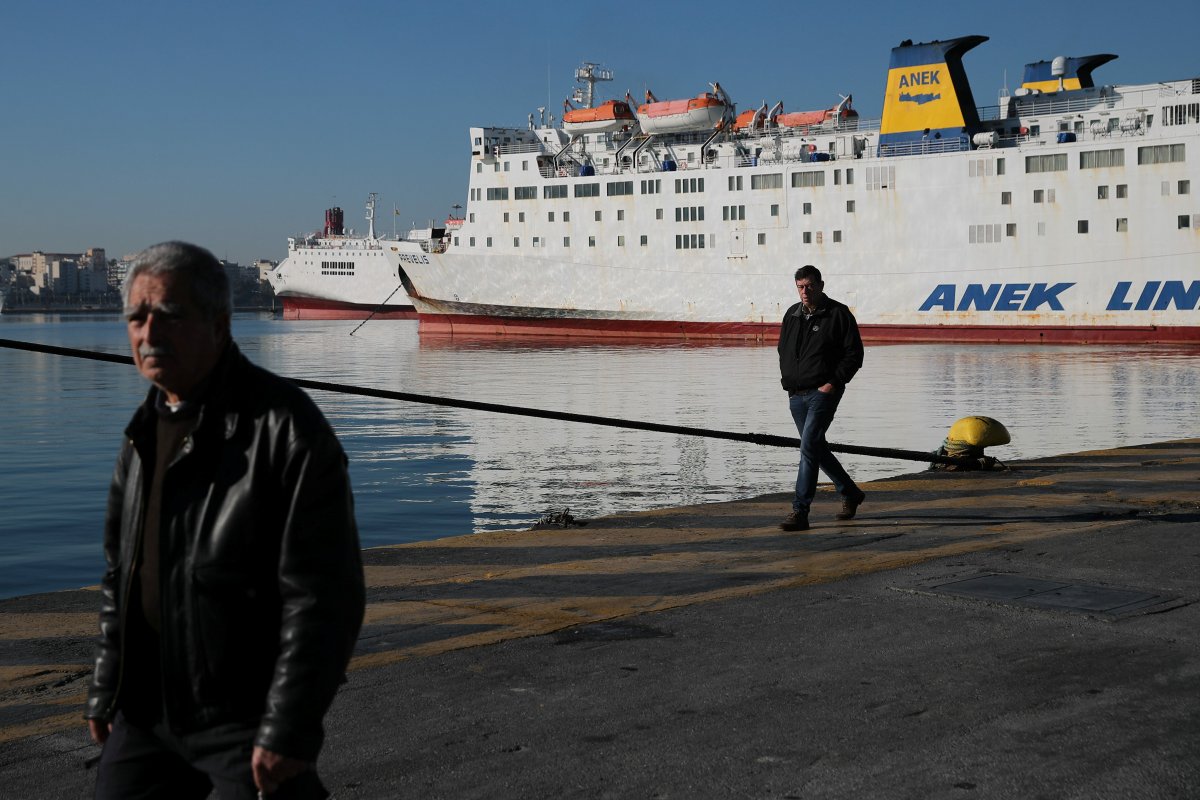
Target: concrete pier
[[1030, 633]]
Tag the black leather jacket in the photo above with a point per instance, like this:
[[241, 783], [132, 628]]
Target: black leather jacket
[[824, 349], [261, 576]]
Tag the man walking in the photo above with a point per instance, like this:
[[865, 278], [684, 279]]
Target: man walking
[[819, 352], [233, 593]]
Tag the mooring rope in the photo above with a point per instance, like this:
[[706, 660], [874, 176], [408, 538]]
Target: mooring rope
[[378, 308], [766, 439]]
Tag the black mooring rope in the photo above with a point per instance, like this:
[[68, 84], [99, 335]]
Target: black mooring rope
[[378, 308], [499, 408]]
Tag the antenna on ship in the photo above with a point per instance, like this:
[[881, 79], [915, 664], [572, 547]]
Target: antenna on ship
[[590, 74], [371, 216]]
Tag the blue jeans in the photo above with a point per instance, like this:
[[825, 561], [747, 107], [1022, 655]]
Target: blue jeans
[[813, 412]]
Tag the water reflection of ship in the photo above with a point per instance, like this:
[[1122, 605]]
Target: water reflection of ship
[[425, 470], [1052, 399], [536, 466]]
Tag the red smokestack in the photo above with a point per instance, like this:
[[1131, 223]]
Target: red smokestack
[[333, 222]]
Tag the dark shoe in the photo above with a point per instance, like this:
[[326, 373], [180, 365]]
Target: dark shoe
[[850, 506], [795, 521]]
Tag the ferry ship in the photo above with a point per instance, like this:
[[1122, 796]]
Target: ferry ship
[[332, 274], [1064, 213]]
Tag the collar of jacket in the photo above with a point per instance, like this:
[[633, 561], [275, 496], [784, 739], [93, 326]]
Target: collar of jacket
[[214, 404], [824, 306]]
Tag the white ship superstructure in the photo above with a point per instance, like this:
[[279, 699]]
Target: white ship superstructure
[[1065, 213], [334, 274]]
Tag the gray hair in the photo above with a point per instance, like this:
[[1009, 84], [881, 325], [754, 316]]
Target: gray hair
[[206, 276]]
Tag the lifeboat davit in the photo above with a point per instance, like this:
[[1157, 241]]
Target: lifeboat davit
[[608, 116], [675, 116], [841, 116], [753, 118]]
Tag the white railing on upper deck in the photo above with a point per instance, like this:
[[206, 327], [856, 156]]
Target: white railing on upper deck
[[1050, 104], [1108, 98], [822, 129], [951, 144], [518, 147]]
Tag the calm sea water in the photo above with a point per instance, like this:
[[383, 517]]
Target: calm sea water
[[423, 472]]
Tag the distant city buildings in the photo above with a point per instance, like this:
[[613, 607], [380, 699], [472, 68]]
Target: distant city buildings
[[61, 273], [44, 278]]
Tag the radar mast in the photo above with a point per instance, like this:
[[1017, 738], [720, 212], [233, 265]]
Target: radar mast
[[589, 74], [371, 216]]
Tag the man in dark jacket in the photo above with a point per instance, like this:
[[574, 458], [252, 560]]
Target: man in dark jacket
[[819, 352], [233, 593]]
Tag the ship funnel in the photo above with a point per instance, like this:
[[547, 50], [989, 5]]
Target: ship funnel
[[333, 222], [928, 97], [1063, 73]]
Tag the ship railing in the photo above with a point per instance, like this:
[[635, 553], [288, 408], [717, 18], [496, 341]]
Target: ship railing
[[1035, 105], [567, 168], [989, 113], [921, 147], [1105, 98], [518, 147], [822, 129]]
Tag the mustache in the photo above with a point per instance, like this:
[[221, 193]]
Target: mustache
[[146, 351]]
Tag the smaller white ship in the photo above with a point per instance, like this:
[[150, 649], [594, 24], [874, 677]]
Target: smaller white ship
[[333, 274]]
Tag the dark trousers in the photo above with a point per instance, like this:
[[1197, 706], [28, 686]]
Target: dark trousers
[[149, 762]]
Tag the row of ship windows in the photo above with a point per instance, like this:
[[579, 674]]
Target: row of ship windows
[[882, 177], [1182, 114], [737, 213], [732, 213], [1098, 159], [976, 234], [683, 241], [1183, 187], [878, 177], [337, 267], [990, 234]]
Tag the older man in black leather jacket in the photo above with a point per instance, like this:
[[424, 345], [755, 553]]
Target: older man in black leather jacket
[[234, 590]]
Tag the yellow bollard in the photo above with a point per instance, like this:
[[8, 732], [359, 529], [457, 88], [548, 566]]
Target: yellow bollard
[[967, 439]]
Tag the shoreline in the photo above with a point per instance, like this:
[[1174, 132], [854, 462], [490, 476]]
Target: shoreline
[[113, 310]]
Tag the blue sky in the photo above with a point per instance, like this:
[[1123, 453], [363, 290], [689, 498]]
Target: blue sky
[[234, 125]]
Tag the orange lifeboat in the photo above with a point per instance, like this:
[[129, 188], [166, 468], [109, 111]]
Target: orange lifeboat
[[608, 116], [675, 116], [754, 118], [841, 116]]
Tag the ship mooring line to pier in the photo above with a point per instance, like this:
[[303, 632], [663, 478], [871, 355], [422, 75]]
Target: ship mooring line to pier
[[769, 440], [378, 308]]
